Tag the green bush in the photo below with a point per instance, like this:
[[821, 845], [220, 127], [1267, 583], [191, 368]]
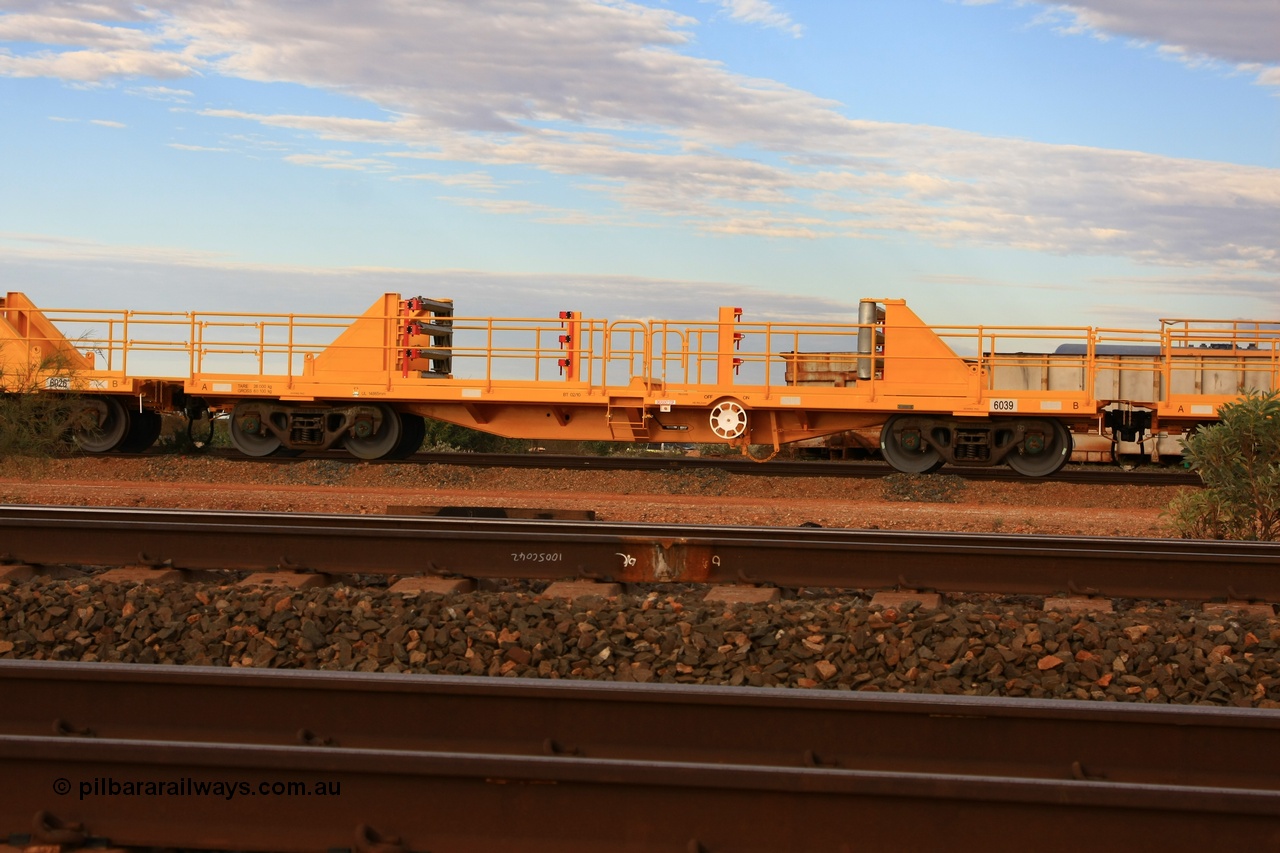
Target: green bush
[[181, 435], [597, 448], [1238, 459], [444, 437], [35, 422]]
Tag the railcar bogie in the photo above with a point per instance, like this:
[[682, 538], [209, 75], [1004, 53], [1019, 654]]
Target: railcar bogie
[[917, 444], [367, 431]]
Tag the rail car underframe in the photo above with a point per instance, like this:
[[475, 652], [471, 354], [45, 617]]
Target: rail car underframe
[[626, 414], [975, 436], [1025, 431]]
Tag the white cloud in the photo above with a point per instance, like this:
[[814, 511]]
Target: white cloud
[[481, 181], [599, 93], [1242, 32], [760, 12], [538, 212], [94, 66], [182, 147], [1252, 298], [90, 42], [339, 160], [162, 93], [49, 28], [102, 122], [78, 273]]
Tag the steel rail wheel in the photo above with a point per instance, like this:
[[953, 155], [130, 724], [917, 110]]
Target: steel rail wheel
[[108, 435], [249, 434], [144, 429], [1045, 448], [906, 449], [366, 442], [413, 429]]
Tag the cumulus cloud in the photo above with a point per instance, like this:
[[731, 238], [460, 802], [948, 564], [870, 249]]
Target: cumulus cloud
[[1242, 32], [600, 94]]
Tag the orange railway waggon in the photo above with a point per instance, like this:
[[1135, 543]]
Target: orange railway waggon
[[929, 395]]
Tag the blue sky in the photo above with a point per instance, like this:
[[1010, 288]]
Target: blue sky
[[1106, 162]]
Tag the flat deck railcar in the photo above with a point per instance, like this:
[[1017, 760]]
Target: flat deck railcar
[[932, 395]]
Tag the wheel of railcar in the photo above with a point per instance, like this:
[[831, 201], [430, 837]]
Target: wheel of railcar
[[366, 443], [728, 419], [1044, 449], [144, 429], [413, 429], [249, 434], [904, 447], [110, 433]]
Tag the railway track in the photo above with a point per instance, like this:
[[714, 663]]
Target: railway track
[[643, 553], [385, 764], [1094, 475]]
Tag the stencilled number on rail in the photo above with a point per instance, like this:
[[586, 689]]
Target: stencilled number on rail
[[58, 383], [536, 557], [1004, 405]]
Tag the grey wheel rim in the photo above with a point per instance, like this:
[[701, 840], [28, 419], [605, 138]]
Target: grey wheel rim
[[108, 435], [908, 461], [257, 442], [381, 443], [1056, 452]]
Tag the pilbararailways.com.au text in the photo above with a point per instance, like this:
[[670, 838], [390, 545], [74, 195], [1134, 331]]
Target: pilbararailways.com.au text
[[108, 786]]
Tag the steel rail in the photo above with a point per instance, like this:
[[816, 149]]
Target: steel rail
[[389, 801], [644, 553], [1197, 746], [1094, 475], [402, 795]]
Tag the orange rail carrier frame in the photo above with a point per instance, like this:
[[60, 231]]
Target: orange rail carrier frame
[[929, 395]]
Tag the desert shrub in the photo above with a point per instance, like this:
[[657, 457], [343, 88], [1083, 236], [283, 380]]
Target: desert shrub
[[1238, 459], [597, 448], [445, 437], [34, 422], [714, 450]]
